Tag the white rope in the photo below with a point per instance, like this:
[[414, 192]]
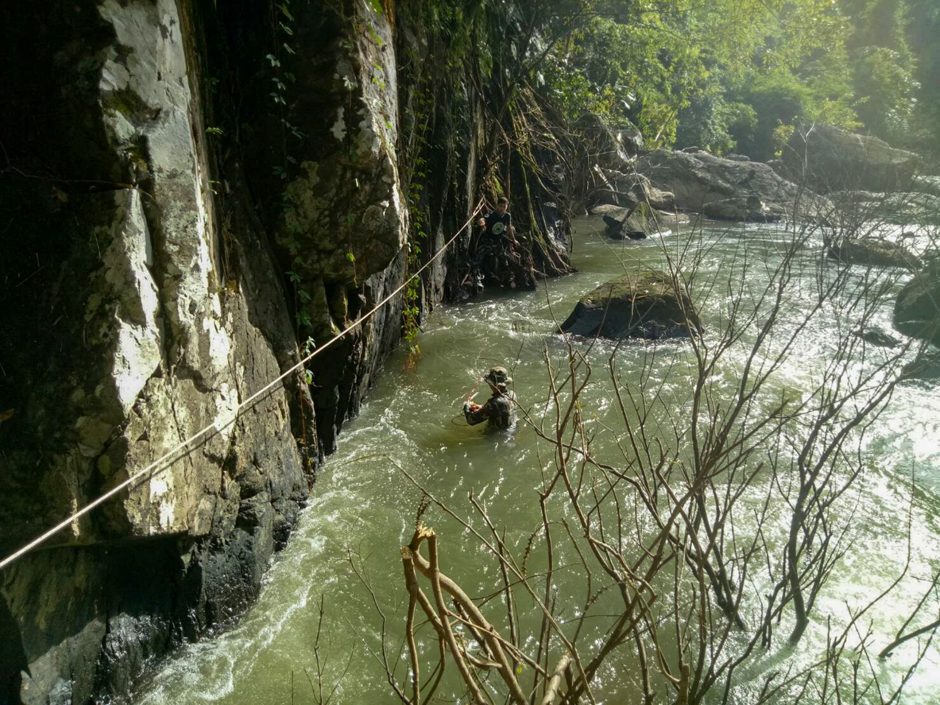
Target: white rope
[[151, 470]]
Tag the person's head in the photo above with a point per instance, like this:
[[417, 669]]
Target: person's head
[[498, 376], [502, 205]]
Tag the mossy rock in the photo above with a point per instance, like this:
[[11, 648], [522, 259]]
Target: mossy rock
[[638, 305]]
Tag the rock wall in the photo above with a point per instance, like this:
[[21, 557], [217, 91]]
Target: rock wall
[[193, 195], [143, 278]]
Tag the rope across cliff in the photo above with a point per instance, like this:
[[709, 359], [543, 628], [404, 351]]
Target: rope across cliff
[[166, 461]]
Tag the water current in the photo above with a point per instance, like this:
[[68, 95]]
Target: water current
[[363, 506]]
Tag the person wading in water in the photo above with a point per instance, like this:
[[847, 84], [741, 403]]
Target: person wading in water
[[499, 410]]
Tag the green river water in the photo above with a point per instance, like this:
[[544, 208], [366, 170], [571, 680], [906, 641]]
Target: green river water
[[363, 508]]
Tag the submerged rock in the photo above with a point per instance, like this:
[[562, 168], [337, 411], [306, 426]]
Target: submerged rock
[[872, 252], [876, 337], [640, 305], [830, 159]]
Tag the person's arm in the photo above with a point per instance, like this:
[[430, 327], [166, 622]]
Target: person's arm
[[474, 413]]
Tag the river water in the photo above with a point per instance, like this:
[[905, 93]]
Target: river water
[[363, 506]]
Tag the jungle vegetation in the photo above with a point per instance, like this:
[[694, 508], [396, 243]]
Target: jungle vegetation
[[724, 75]]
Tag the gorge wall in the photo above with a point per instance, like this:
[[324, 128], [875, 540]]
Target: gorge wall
[[194, 194]]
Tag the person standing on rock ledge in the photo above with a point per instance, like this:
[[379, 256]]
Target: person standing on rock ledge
[[497, 242], [499, 410]]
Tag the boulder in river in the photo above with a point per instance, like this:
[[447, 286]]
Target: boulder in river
[[917, 309], [655, 222], [873, 252], [637, 305], [632, 224], [629, 189], [828, 159], [728, 189], [629, 228]]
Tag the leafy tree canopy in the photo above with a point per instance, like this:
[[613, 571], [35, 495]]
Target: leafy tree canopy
[[739, 74]]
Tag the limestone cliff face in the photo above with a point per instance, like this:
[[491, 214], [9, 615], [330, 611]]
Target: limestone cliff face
[[145, 299], [192, 195]]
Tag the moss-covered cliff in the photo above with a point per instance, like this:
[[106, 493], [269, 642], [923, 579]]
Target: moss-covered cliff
[[193, 194]]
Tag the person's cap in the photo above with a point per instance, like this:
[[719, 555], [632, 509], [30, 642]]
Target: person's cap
[[498, 375]]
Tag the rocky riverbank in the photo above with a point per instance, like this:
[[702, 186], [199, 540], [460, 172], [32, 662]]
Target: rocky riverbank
[[824, 180]]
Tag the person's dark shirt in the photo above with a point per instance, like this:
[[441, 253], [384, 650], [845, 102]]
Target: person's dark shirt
[[498, 410], [497, 226]]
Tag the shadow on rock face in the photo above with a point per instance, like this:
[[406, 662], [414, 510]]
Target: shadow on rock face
[[12, 657]]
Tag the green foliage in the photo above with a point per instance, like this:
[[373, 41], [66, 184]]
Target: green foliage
[[681, 70], [777, 99], [411, 311], [737, 74], [713, 123], [883, 77], [885, 87], [923, 30]]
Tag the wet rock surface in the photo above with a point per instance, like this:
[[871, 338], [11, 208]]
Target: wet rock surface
[[925, 368], [877, 337], [641, 305], [926, 184]]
